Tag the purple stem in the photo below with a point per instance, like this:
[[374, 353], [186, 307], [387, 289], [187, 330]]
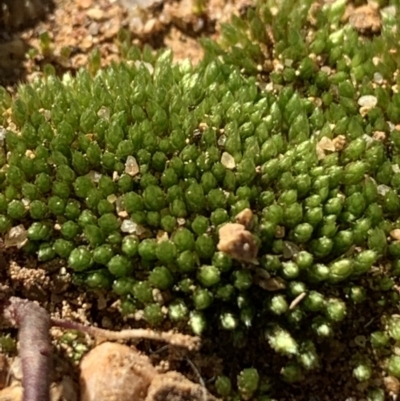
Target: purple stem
[[33, 325]]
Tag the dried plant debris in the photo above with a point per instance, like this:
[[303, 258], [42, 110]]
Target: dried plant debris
[[110, 371], [114, 371]]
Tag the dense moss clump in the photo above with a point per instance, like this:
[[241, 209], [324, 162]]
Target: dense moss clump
[[130, 174]]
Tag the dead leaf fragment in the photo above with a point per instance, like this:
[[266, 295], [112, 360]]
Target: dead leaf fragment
[[270, 284], [297, 300]]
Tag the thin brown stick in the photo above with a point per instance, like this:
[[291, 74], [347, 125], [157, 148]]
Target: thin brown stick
[[182, 340]]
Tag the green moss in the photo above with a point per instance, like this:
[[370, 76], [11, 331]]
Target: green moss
[[308, 124]]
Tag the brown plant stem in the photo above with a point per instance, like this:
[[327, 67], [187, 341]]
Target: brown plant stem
[[33, 324]]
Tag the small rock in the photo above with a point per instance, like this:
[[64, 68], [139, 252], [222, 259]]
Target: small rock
[[84, 4], [392, 384], [395, 234], [95, 13], [17, 236], [383, 189], [368, 101], [130, 227], [131, 166], [245, 217], [339, 142], [366, 19], [93, 28], [64, 390], [379, 136], [16, 369], [139, 3], [86, 43], [378, 78], [228, 161], [104, 112], [11, 393], [238, 243], [172, 386], [115, 372], [326, 144]]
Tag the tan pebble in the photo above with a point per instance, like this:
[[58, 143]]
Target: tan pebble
[[245, 217], [150, 25], [94, 29], [339, 142], [379, 136], [131, 166], [392, 384], [172, 386], [64, 391], [115, 372], [395, 234], [110, 29], [16, 368], [237, 242], [95, 13], [228, 161], [366, 18], [11, 393], [84, 4], [326, 144], [87, 42]]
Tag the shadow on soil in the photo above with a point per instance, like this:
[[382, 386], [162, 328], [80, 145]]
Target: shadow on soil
[[15, 17]]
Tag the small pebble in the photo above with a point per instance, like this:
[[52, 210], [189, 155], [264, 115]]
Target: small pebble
[[95, 13], [368, 101], [228, 161], [11, 393], [131, 166], [378, 78], [130, 227], [383, 189], [114, 371]]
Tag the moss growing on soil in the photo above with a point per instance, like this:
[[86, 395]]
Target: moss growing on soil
[[130, 172]]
